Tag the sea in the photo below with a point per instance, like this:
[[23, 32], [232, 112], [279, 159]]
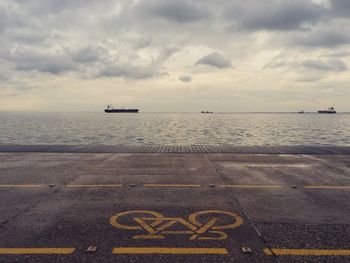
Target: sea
[[241, 129]]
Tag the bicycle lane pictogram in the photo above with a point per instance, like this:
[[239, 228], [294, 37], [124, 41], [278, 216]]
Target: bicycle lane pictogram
[[182, 231], [199, 225]]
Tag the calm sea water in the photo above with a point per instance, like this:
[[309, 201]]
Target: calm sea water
[[174, 128]]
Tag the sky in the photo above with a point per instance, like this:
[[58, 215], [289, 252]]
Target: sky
[[166, 56]]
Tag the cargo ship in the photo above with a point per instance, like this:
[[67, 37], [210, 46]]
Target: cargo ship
[[329, 110], [110, 109]]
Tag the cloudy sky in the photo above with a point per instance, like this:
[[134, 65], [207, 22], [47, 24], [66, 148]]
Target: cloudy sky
[[183, 55]]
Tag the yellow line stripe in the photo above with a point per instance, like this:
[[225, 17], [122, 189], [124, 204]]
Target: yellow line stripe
[[171, 185], [168, 250], [93, 185], [307, 252], [251, 186], [11, 251], [326, 187], [21, 185]]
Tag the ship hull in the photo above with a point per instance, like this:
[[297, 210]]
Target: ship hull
[[326, 112], [121, 110]]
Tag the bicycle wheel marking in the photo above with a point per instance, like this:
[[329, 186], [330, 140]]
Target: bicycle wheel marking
[[201, 225]]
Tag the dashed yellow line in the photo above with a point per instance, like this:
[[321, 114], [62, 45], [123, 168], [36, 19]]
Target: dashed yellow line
[[169, 250], [172, 185], [306, 252], [326, 187], [251, 186], [22, 185], [92, 185], [13, 251]]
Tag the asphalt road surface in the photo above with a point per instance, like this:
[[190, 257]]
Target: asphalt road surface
[[161, 207]]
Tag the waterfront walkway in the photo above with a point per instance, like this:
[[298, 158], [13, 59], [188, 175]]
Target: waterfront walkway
[[216, 203]]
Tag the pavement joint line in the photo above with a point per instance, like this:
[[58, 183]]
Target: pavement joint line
[[172, 185], [169, 250], [18, 251], [306, 252], [93, 185]]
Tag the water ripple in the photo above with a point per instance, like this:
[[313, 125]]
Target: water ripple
[[174, 128]]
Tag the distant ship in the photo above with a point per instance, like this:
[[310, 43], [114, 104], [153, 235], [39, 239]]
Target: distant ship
[[301, 111], [206, 112], [110, 109], [329, 110]]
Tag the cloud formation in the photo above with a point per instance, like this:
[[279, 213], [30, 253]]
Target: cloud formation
[[180, 11], [145, 44], [326, 65], [185, 78], [216, 60], [275, 14]]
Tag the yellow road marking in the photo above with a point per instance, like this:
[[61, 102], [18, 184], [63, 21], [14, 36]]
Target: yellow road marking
[[326, 187], [21, 185], [12, 251], [168, 250], [251, 186], [171, 185], [93, 185], [306, 252]]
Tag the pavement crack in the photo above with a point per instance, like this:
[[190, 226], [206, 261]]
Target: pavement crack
[[87, 169]]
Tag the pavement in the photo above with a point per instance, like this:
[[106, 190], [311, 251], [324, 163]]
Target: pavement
[[189, 207]]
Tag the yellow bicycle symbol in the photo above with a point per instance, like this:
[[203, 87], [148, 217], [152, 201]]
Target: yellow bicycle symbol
[[198, 224]]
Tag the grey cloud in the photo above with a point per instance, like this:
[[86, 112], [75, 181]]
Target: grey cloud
[[185, 78], [164, 54], [49, 7], [126, 71], [177, 11], [29, 60], [326, 65], [342, 53], [322, 38], [275, 14], [142, 43], [341, 7], [161, 74], [11, 15], [4, 76], [278, 61], [88, 54], [214, 59], [28, 36], [133, 71]]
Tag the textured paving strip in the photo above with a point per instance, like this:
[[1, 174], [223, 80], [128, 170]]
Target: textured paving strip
[[176, 149]]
